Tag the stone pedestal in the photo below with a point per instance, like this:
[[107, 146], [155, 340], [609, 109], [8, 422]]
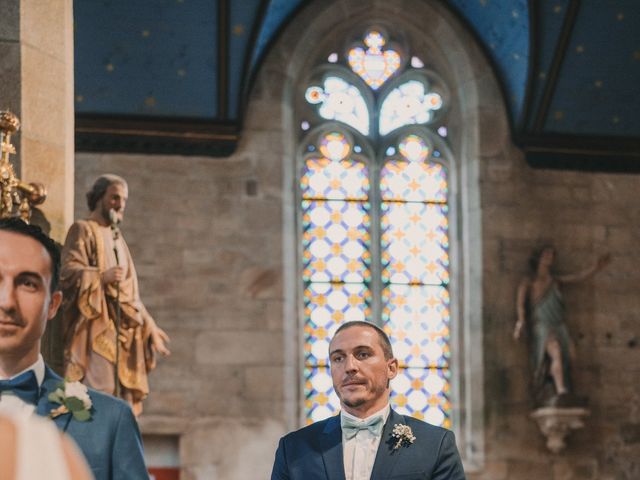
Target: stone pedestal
[[557, 422]]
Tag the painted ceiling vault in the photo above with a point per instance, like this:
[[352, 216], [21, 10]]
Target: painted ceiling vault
[[173, 75]]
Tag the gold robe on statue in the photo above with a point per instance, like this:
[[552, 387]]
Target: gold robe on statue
[[89, 312]]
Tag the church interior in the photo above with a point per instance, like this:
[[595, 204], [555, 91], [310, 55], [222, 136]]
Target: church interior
[[295, 164]]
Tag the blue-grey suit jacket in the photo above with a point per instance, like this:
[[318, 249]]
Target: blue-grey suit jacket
[[315, 453], [110, 440]]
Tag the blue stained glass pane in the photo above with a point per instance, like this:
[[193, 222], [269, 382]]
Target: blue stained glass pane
[[321, 400], [416, 318], [413, 181], [415, 243], [326, 307], [423, 393], [336, 241], [334, 180]]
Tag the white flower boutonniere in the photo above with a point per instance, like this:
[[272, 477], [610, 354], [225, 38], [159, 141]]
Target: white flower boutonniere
[[403, 434], [73, 398]]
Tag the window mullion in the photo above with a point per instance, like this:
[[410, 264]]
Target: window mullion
[[376, 254]]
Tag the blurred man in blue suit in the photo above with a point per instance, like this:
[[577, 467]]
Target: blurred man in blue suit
[[368, 440], [106, 432]]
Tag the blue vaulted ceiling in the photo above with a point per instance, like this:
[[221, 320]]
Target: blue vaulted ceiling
[[173, 75]]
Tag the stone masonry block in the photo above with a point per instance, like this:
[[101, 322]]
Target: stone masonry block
[[239, 348]]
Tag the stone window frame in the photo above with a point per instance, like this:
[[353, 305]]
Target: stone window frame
[[478, 125]]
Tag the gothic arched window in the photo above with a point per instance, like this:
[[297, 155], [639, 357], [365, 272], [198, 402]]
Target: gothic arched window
[[374, 178]]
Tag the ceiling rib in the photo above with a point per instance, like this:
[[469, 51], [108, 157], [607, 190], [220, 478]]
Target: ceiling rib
[[223, 59], [556, 64]]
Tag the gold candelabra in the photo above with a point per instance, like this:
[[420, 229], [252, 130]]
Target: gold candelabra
[[16, 197]]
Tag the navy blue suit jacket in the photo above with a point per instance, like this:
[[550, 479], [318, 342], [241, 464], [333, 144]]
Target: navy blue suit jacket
[[315, 453], [110, 440]]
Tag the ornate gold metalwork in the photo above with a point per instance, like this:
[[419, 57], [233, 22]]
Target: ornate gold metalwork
[[16, 197]]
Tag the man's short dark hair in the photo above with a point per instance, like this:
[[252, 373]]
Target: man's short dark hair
[[385, 343], [16, 225], [100, 188]]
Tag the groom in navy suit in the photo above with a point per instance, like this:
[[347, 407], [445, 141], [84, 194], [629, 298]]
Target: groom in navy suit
[[29, 271], [368, 440]]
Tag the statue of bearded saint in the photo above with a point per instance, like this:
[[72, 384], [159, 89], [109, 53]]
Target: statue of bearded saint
[[110, 337]]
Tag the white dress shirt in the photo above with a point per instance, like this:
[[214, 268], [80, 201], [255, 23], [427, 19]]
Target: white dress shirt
[[14, 405], [359, 452]]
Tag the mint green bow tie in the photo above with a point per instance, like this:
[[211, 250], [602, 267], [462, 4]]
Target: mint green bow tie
[[351, 427]]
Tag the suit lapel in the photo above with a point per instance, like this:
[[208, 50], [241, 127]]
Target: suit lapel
[[331, 447], [386, 457], [44, 407]]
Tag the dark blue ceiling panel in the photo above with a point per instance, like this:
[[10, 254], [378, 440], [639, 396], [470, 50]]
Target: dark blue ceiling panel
[[147, 58], [172, 73], [503, 29], [243, 16], [597, 92]]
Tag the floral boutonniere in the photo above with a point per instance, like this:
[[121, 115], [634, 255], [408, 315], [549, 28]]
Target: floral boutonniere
[[403, 435], [73, 398]]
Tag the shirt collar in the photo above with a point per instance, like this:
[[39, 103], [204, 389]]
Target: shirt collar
[[38, 369], [384, 411]]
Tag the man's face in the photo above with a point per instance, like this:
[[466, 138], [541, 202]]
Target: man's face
[[359, 371], [114, 198], [26, 302]]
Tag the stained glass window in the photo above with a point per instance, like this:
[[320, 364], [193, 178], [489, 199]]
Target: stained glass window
[[406, 105], [349, 198], [341, 101], [336, 259], [374, 65], [415, 277]]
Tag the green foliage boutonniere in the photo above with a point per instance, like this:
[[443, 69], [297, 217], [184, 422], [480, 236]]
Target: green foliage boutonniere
[[73, 398]]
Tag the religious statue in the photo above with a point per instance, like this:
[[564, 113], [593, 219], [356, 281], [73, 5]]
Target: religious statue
[[110, 338], [540, 308]]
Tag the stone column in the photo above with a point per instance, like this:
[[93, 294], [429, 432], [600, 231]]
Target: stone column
[[36, 83]]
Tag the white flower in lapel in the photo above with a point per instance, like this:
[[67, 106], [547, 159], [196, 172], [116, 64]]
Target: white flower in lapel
[[73, 398], [403, 434]]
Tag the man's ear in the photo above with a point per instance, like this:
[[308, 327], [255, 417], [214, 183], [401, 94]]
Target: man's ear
[[392, 368], [54, 304]]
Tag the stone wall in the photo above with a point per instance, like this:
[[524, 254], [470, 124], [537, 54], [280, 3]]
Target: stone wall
[[583, 215], [209, 261], [214, 260]]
